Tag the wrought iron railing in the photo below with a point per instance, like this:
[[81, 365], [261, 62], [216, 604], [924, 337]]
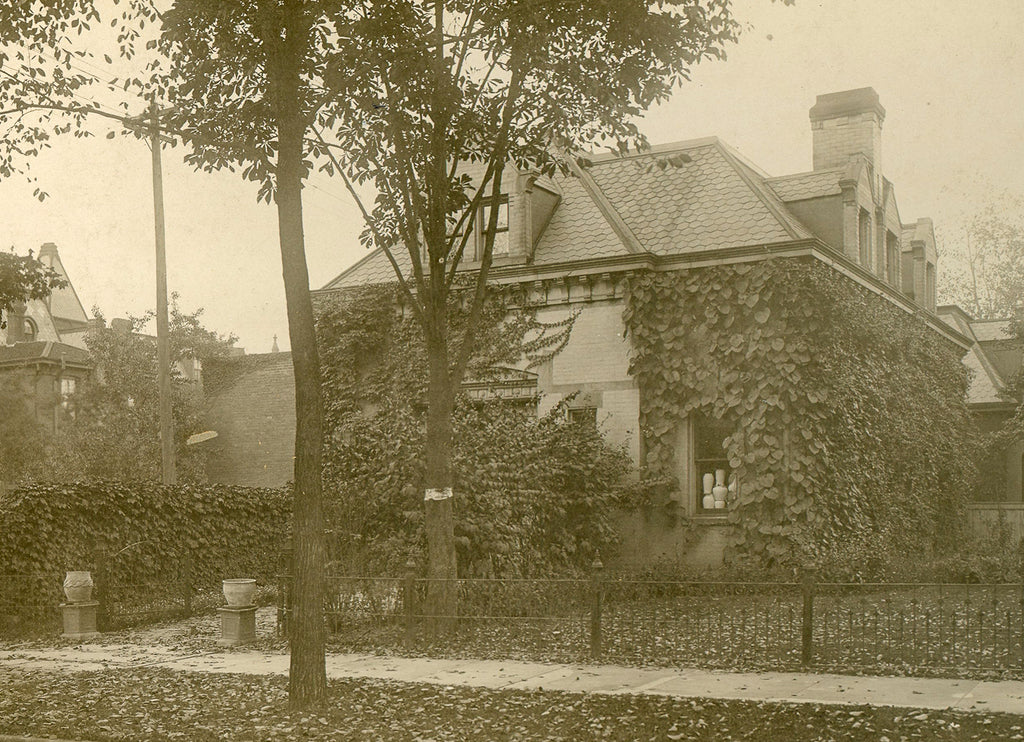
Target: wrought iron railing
[[782, 625]]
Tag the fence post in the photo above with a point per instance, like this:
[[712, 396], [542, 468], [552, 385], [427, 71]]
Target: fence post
[[409, 602], [186, 580], [597, 597], [807, 581], [284, 598], [101, 584]]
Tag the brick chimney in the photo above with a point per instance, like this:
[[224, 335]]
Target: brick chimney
[[845, 125], [48, 254]]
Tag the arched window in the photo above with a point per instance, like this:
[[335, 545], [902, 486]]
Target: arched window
[[28, 330]]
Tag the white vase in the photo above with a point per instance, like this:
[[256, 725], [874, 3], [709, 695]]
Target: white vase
[[78, 587], [709, 482], [719, 504], [719, 477], [239, 592], [708, 502]]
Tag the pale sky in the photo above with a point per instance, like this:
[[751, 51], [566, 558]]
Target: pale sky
[[949, 75]]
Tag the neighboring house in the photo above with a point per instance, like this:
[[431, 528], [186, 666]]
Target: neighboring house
[[44, 343], [996, 359]]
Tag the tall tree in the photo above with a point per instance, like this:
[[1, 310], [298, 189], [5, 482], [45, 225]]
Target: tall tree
[[983, 270], [440, 98], [246, 81]]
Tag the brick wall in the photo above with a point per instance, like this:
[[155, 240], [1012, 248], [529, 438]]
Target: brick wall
[[595, 362], [252, 409]]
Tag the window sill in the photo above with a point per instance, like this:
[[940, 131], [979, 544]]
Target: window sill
[[709, 519]]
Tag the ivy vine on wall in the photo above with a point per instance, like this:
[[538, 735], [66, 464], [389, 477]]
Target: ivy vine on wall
[[534, 495], [848, 416]]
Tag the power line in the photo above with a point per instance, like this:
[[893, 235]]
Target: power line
[[91, 106]]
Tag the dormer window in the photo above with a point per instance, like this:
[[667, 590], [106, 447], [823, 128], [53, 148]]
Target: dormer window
[[501, 241], [28, 330], [864, 234]]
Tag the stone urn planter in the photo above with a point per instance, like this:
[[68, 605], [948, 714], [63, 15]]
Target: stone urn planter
[[239, 592], [78, 587]]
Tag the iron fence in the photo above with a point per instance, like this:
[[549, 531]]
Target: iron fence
[[779, 625], [29, 603]]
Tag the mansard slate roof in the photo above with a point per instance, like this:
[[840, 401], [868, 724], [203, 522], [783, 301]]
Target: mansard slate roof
[[989, 384], [814, 184], [44, 351], [709, 199]]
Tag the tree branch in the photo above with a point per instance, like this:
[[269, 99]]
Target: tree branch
[[377, 237]]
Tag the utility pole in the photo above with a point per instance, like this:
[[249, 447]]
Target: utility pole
[[163, 351]]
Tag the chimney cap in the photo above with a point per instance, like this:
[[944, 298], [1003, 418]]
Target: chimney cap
[[847, 103]]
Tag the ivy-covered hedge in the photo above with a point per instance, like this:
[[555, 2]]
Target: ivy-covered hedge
[[851, 434], [146, 529], [533, 497]]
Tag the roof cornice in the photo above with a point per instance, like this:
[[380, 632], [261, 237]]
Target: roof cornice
[[811, 247]]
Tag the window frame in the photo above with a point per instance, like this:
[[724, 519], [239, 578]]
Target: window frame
[[480, 225], [864, 238], [29, 330], [699, 463]]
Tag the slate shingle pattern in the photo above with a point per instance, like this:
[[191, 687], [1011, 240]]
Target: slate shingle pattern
[[712, 201], [983, 388], [807, 185], [375, 268], [703, 204], [578, 230]]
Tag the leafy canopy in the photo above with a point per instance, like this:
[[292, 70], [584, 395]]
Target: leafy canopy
[[23, 278], [114, 432]]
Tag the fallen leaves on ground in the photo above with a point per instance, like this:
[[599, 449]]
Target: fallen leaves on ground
[[159, 704]]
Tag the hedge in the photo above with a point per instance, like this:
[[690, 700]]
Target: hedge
[[146, 529]]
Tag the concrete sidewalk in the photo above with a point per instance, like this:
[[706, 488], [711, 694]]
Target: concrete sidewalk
[[924, 693]]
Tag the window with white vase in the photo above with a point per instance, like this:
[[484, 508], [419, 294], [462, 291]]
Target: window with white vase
[[715, 482]]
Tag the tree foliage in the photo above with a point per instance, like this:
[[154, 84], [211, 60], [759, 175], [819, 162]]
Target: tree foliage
[[114, 433], [849, 417], [23, 278], [538, 495], [983, 271]]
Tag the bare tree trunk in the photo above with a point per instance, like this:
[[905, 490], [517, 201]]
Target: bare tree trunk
[[442, 595], [307, 678]]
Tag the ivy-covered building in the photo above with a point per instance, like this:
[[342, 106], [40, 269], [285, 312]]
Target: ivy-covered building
[[766, 347]]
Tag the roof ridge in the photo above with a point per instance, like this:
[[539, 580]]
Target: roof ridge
[[784, 219], [805, 173], [608, 211], [602, 158]]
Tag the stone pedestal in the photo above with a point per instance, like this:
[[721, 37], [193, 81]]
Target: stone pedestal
[[237, 625], [80, 619]]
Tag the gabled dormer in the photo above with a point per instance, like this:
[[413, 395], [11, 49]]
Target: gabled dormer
[[525, 206], [920, 262]]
